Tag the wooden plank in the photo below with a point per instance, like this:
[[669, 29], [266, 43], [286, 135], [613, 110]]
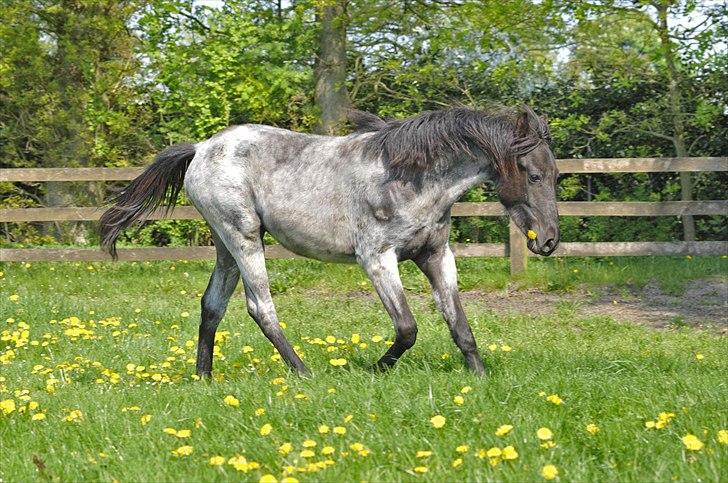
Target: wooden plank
[[566, 208], [69, 174], [125, 254], [517, 250], [479, 249], [641, 165], [75, 213], [633, 249], [591, 165]]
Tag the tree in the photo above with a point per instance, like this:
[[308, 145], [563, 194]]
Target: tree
[[330, 95]]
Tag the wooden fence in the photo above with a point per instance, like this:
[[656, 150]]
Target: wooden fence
[[515, 248]]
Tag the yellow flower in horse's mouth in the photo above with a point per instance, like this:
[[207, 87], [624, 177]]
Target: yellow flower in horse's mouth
[[531, 234]]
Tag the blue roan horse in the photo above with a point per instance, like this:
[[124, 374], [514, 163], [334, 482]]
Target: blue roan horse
[[376, 197]]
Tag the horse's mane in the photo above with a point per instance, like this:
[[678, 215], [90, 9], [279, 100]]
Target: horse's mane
[[418, 142]]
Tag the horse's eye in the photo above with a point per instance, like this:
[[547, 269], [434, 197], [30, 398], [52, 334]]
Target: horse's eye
[[534, 178]]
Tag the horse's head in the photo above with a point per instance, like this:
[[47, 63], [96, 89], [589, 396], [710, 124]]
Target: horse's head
[[529, 192]]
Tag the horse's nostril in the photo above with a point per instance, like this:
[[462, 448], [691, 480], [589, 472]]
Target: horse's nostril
[[549, 245]]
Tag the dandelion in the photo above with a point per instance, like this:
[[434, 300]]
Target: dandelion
[[231, 400], [544, 434], [7, 406], [323, 429], [421, 469], [463, 448], [503, 430], [259, 411], [466, 389], [73, 416], [340, 430], [38, 417], [699, 356], [458, 400], [592, 428], [217, 460], [14, 297], [438, 421], [377, 338], [723, 436], [268, 479], [692, 442], [266, 429], [531, 234], [182, 451], [424, 454], [183, 433], [184, 314], [285, 448], [337, 362], [549, 472], [327, 450], [289, 479], [493, 347], [307, 453], [457, 462], [506, 348], [509, 453], [145, 419], [309, 443], [555, 399]]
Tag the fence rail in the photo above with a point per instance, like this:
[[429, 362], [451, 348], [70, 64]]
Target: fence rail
[[515, 248]]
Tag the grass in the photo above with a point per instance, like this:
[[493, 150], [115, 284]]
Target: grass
[[615, 375]]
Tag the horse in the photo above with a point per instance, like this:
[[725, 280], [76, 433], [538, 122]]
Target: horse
[[378, 196]]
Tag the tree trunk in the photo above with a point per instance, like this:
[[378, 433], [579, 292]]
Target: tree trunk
[[673, 77], [330, 95]]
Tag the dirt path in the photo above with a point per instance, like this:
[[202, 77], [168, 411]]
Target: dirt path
[[703, 304]]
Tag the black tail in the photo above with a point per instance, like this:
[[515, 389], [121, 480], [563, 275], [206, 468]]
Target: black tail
[[159, 184]]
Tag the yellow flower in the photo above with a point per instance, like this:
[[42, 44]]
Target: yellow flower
[[699, 356], [377, 338], [438, 421], [267, 479], [457, 462], [692, 443], [182, 451], [337, 362], [38, 417], [73, 416], [509, 453], [259, 411], [327, 450], [723, 436], [289, 479], [549, 472], [531, 234], [266, 429], [554, 398], [231, 400], [323, 429], [309, 443], [503, 430], [183, 433], [493, 347], [466, 389], [307, 453], [544, 434], [339, 430], [217, 460], [355, 338], [424, 454], [548, 444], [421, 469], [14, 297], [145, 419], [493, 452], [285, 448], [592, 428], [463, 448], [649, 424], [458, 400], [7, 406]]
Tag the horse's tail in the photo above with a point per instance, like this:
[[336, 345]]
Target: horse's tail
[[159, 184]]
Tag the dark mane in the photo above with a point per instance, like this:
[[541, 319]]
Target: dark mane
[[417, 143]]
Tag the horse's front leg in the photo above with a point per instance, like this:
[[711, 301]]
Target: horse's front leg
[[439, 267], [383, 272]]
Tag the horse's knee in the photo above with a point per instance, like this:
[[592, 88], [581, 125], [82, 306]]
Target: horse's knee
[[407, 336], [211, 313]]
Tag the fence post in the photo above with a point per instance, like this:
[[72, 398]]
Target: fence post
[[517, 249]]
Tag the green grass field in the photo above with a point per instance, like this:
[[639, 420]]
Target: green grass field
[[97, 364]]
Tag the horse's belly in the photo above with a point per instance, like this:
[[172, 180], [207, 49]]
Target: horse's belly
[[312, 237]]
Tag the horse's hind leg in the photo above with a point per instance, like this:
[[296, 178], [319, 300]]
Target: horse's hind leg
[[439, 267], [222, 284], [249, 254]]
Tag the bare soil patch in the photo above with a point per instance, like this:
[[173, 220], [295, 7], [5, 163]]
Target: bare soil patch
[[703, 304]]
